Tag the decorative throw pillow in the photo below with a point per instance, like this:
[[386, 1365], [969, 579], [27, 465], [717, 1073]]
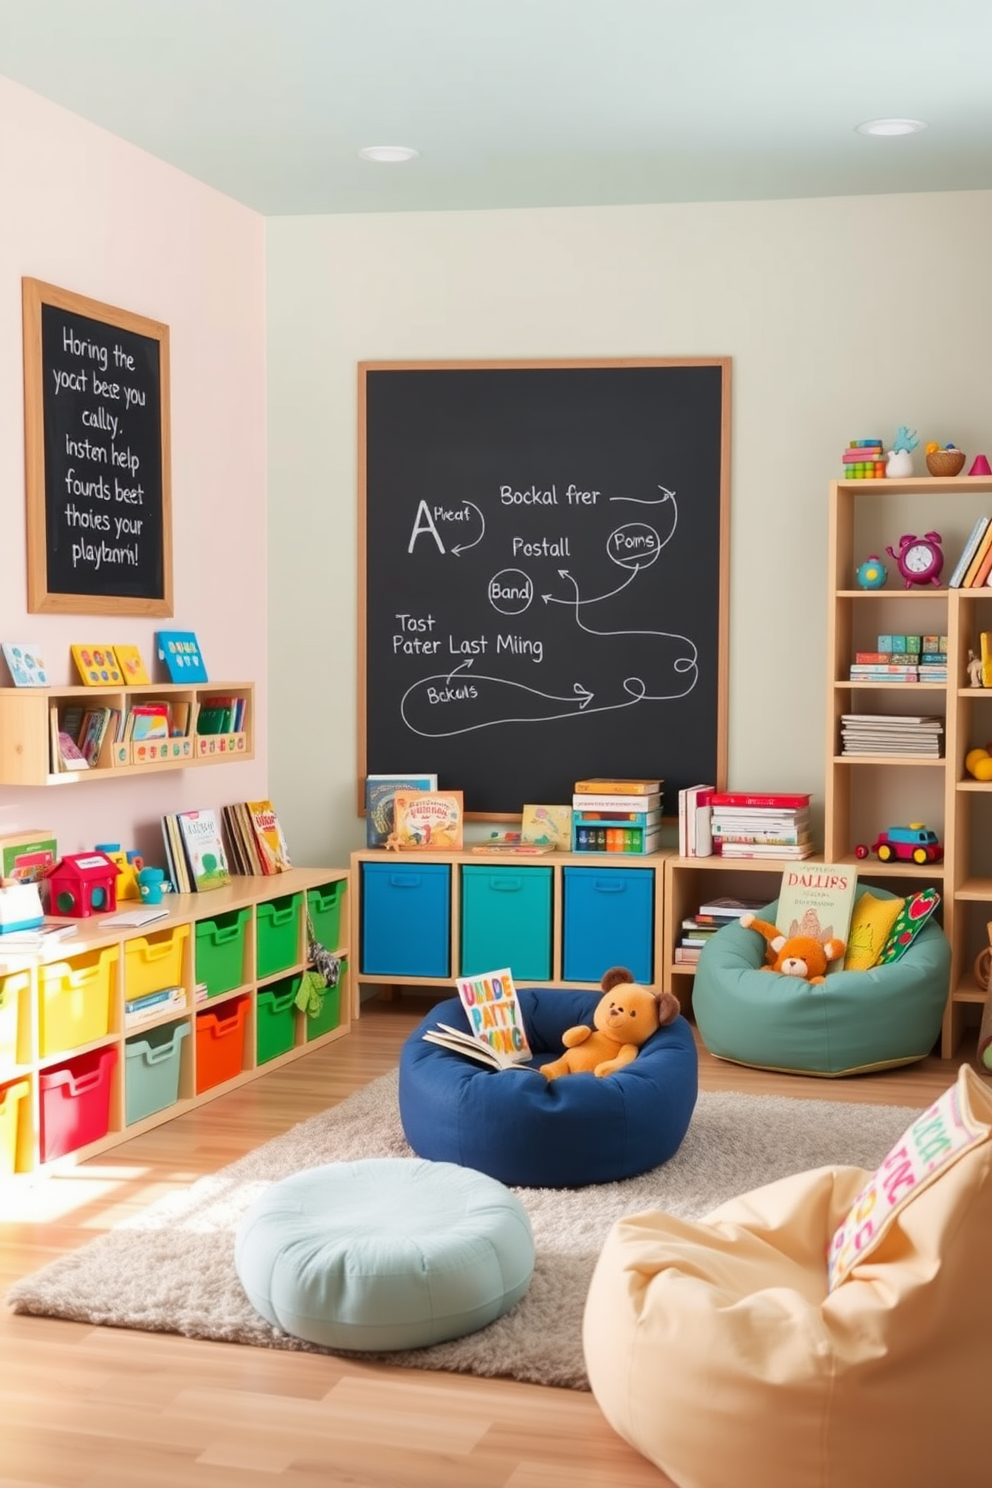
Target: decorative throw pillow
[[916, 911], [871, 926], [925, 1152]]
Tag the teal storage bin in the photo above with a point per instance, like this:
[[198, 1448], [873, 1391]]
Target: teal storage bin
[[277, 933], [405, 925], [506, 921], [220, 951], [607, 920], [275, 1018], [151, 1071], [324, 906]]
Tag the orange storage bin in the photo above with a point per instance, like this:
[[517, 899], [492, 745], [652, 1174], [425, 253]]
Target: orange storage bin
[[74, 1000], [75, 1102], [12, 1098], [220, 1045], [11, 988], [152, 962]]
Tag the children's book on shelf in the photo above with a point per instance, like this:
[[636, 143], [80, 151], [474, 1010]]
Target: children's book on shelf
[[606, 785], [95, 729], [148, 721], [817, 900], [175, 856], [728, 907], [380, 794], [428, 821], [180, 651], [221, 715], [26, 857], [511, 844], [25, 664], [131, 665], [587, 803], [762, 800], [97, 666], [204, 849], [498, 1036], [694, 813], [547, 826], [70, 756], [269, 837]]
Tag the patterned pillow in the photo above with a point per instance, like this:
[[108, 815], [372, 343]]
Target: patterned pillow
[[917, 910], [871, 926]]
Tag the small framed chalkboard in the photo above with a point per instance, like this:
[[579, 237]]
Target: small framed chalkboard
[[96, 416], [543, 574]]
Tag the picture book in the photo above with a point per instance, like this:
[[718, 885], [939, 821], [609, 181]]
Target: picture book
[[70, 756], [547, 826], [25, 664], [428, 821], [460, 1042], [131, 665], [495, 1019], [271, 842], [204, 849], [817, 900], [149, 721], [94, 730], [27, 856], [380, 792], [97, 666], [180, 650], [605, 785]]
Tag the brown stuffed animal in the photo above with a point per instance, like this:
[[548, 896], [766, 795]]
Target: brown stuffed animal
[[625, 1017], [795, 955]]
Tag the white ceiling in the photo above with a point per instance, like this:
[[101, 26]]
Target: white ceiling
[[523, 103]]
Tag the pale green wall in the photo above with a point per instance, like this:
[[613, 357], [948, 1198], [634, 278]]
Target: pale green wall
[[843, 318]]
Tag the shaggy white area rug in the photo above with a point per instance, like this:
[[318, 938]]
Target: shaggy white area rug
[[171, 1269]]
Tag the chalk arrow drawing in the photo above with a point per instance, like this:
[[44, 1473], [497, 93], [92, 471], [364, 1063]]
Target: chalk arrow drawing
[[460, 701], [461, 548]]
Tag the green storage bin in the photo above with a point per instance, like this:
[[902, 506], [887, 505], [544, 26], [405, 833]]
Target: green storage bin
[[275, 1018], [324, 904], [151, 1071], [330, 1013], [220, 951], [277, 924]]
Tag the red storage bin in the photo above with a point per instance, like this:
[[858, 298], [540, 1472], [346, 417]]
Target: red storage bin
[[220, 1045], [75, 1102]]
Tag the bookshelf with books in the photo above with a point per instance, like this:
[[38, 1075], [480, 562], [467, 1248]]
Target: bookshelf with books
[[883, 769], [213, 970], [148, 727]]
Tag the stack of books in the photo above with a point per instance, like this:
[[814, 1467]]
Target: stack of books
[[864, 459], [902, 658], [710, 917], [616, 815], [973, 569], [770, 824], [906, 735], [695, 838]]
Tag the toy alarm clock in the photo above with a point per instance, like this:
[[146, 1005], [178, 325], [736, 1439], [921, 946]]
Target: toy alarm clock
[[919, 559]]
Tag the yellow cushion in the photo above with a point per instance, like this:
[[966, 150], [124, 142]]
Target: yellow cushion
[[870, 925], [698, 1335]]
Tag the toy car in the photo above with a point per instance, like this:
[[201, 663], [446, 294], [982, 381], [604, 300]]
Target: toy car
[[915, 843]]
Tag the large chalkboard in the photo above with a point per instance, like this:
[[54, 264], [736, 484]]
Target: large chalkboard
[[96, 404], [543, 574]]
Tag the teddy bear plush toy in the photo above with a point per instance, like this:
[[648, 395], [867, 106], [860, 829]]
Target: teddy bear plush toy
[[795, 955], [625, 1017]]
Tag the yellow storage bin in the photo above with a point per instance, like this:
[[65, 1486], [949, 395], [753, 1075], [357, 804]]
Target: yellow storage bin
[[11, 1100], [153, 962], [74, 1000], [11, 988]]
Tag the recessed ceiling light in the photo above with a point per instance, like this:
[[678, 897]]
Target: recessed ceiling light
[[389, 154], [891, 126]]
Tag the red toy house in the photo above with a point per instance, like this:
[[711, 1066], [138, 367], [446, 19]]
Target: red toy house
[[83, 884]]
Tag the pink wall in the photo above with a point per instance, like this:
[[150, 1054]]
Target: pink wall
[[91, 214]]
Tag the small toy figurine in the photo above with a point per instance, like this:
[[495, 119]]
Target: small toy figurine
[[872, 574], [899, 462], [974, 669]]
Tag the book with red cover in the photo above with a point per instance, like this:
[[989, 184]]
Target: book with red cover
[[791, 799]]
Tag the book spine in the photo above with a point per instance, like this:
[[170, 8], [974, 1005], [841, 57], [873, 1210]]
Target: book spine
[[793, 800], [967, 553], [618, 787]]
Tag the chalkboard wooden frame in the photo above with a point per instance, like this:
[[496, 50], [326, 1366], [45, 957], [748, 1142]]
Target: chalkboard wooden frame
[[149, 590], [404, 454]]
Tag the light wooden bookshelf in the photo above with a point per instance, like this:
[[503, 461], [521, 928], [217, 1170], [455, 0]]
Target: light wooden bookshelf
[[26, 747], [68, 1004]]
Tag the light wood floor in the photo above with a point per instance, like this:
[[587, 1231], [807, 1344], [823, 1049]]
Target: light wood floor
[[84, 1407]]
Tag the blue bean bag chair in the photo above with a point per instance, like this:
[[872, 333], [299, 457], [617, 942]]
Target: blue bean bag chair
[[853, 1022], [530, 1132]]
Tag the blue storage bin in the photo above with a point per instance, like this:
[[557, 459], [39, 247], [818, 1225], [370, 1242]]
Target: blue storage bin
[[506, 921], [608, 920], [151, 1071], [406, 910]]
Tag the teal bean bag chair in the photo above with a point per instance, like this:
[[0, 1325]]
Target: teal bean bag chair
[[852, 1023]]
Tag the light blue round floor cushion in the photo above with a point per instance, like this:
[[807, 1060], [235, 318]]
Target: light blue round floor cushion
[[388, 1253], [853, 1022]]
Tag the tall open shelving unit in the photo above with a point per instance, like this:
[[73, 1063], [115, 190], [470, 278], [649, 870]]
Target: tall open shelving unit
[[864, 795]]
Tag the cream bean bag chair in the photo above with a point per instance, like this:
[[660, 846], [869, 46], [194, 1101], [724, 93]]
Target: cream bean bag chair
[[830, 1330]]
